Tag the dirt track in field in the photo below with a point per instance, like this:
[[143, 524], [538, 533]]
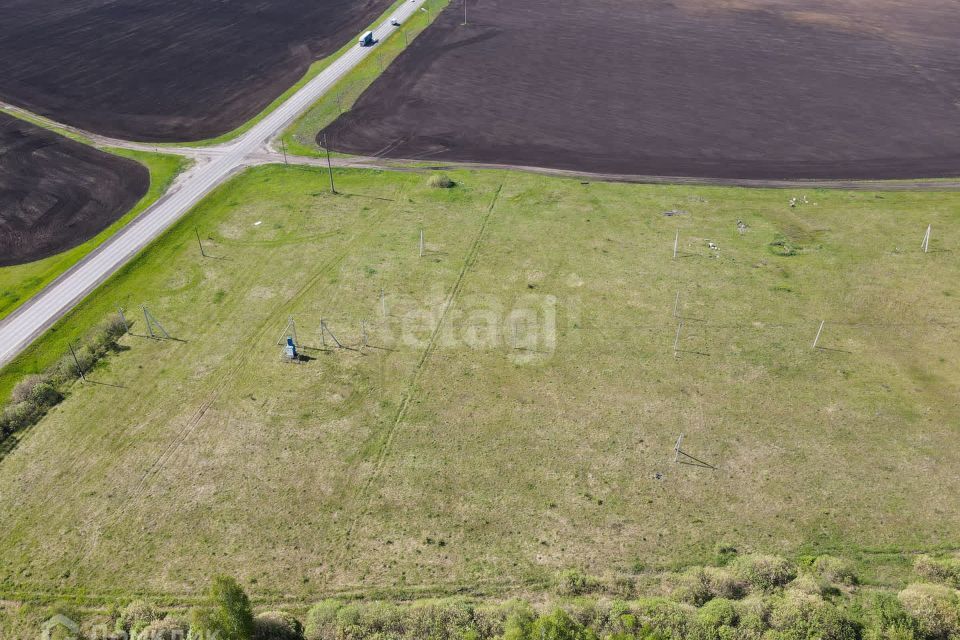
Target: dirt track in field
[[56, 193], [175, 70], [745, 89]]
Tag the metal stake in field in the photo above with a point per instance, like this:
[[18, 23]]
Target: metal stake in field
[[676, 339], [202, 252], [333, 189], [464, 12], [324, 329], [676, 306], [153, 323], [819, 331], [687, 458], [925, 245], [123, 319], [290, 331], [421, 243], [76, 361], [676, 243]]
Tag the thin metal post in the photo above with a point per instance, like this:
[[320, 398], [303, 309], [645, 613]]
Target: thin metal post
[[77, 362], [333, 189], [383, 302], [676, 243], [421, 243], [676, 339], [676, 449], [819, 331], [925, 245], [202, 252], [676, 305], [464, 12]]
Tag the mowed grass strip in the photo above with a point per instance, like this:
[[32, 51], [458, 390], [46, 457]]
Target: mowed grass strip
[[509, 415]]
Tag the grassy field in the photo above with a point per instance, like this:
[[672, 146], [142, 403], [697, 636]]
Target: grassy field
[[511, 411], [300, 138], [19, 282]]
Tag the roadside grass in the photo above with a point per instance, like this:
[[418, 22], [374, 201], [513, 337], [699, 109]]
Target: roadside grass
[[300, 137], [525, 434], [18, 283]]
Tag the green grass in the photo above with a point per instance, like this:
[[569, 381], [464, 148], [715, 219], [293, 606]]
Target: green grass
[[300, 138], [483, 458], [18, 283]]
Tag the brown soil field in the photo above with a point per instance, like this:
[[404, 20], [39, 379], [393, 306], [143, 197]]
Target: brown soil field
[[716, 88], [56, 193], [175, 70]]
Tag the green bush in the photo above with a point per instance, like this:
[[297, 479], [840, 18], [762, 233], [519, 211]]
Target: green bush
[[17, 416], [764, 573], [226, 612], [717, 613], [701, 584], [440, 181], [884, 617], [573, 582], [945, 570], [933, 608], [797, 616], [168, 628], [811, 584], [277, 625], [21, 392], [45, 395], [136, 616], [835, 570], [321, 623], [437, 620], [664, 617], [558, 625]]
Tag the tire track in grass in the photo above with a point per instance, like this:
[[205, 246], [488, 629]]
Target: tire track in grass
[[183, 435], [411, 391]]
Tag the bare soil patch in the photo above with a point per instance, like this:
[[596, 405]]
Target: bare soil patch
[[165, 71], [729, 89], [56, 193]]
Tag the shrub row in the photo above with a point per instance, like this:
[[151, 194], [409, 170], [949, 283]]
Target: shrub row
[[754, 597], [36, 394]]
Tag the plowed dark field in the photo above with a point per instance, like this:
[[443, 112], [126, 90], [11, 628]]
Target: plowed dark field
[[712, 88], [56, 193], [170, 70]]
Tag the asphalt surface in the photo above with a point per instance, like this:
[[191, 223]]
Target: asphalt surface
[[20, 328]]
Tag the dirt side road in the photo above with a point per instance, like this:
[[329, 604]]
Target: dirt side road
[[176, 70], [722, 89], [56, 193]]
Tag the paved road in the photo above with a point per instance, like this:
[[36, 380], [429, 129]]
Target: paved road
[[20, 328]]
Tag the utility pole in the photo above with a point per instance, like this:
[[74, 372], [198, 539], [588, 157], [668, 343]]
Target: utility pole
[[464, 12], [333, 189], [77, 362], [202, 252]]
